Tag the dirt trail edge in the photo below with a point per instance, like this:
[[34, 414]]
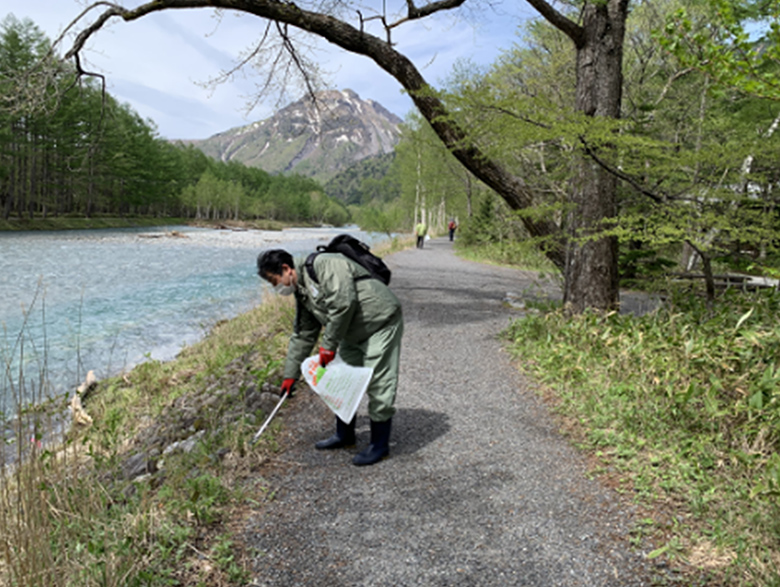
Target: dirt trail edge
[[479, 489]]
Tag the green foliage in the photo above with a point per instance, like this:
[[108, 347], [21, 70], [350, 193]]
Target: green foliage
[[198, 496], [270, 367], [522, 254], [224, 555], [735, 43], [520, 112], [641, 265], [366, 181], [496, 235], [215, 198], [696, 164], [433, 184], [685, 403], [489, 225], [387, 218], [68, 148]]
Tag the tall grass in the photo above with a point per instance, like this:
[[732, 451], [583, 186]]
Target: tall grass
[[683, 408], [68, 516]]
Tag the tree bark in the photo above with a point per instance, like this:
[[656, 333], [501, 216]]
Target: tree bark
[[591, 273]]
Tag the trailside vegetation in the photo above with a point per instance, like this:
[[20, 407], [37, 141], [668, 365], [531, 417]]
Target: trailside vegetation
[[145, 493], [681, 411], [72, 150]]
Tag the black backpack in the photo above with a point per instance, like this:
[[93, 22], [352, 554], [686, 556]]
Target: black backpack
[[357, 251]]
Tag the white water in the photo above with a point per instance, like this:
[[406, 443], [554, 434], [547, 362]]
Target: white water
[[105, 300]]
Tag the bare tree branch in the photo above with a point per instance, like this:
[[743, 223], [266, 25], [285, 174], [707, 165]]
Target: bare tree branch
[[673, 78], [656, 196], [242, 63], [298, 61], [567, 26], [430, 8], [415, 13]]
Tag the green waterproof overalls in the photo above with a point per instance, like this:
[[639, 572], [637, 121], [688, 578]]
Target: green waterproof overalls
[[362, 320]]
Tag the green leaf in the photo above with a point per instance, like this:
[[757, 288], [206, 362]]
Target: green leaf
[[756, 400], [742, 318], [658, 552]]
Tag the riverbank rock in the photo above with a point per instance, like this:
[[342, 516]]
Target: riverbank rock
[[79, 415], [88, 385], [215, 416]]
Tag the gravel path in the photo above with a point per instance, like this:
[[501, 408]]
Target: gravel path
[[479, 488]]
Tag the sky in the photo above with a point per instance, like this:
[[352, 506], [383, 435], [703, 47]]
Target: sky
[[159, 64]]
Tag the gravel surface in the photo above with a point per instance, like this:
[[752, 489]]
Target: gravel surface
[[479, 489]]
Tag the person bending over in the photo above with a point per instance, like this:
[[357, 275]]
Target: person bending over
[[359, 317]]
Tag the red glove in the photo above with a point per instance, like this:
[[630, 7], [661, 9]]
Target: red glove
[[287, 387], [326, 356]]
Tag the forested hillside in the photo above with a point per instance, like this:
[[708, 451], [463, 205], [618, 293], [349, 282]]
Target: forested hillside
[[68, 148], [365, 181]]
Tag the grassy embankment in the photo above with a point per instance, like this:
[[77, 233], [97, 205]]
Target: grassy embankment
[[80, 514], [680, 411]]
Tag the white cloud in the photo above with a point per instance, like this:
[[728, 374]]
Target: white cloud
[[156, 63]]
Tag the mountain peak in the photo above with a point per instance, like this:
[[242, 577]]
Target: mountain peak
[[315, 137]]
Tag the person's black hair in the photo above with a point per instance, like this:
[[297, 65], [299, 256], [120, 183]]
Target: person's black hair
[[270, 262]]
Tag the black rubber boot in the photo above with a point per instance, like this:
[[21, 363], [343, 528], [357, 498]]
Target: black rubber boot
[[344, 437], [379, 447]]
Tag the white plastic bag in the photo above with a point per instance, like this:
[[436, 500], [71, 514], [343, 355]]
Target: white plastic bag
[[340, 386]]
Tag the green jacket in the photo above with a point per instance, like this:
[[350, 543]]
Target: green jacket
[[350, 310]]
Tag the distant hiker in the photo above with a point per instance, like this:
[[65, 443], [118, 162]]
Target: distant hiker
[[421, 230], [362, 320], [452, 226]]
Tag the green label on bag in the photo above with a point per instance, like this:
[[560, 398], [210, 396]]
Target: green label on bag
[[319, 373]]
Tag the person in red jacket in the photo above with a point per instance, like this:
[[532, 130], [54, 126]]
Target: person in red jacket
[[452, 226]]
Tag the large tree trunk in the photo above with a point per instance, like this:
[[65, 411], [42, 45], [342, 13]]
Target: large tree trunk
[[591, 274]]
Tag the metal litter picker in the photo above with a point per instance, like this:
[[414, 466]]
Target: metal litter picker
[[340, 386], [256, 437]]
